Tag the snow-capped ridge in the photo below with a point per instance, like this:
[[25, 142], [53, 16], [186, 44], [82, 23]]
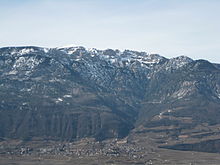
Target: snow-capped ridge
[[114, 56]]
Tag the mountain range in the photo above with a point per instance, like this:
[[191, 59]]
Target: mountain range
[[70, 93]]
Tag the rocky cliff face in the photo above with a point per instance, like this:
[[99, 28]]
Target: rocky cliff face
[[71, 92]]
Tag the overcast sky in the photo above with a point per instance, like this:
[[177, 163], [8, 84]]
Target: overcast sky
[[167, 27]]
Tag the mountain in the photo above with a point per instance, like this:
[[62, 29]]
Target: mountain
[[69, 93]]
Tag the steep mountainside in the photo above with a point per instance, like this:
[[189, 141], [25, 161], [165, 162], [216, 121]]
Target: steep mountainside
[[69, 93]]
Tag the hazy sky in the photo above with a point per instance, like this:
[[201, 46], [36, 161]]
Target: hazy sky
[[167, 27]]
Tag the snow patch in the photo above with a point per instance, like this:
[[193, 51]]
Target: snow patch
[[13, 72], [46, 50], [67, 96], [26, 62], [59, 100], [26, 51]]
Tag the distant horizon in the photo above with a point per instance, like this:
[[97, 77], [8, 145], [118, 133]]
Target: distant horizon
[[170, 28], [71, 45]]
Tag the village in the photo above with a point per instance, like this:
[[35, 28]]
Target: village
[[87, 147]]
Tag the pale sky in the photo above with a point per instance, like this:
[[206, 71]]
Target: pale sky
[[168, 27]]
